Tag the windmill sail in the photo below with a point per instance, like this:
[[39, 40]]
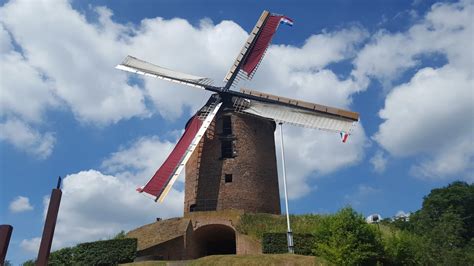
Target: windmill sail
[[255, 47], [295, 112], [135, 65], [160, 184]]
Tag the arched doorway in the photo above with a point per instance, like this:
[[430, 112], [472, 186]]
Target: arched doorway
[[214, 239]]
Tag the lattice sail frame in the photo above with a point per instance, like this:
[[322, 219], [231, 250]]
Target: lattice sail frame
[[295, 112], [160, 184]]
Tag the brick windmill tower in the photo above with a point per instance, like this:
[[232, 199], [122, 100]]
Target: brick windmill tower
[[228, 146]]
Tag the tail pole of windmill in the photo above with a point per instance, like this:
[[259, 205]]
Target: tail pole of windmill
[[229, 109]]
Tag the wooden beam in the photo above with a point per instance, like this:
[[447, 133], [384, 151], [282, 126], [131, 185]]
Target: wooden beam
[[5, 235], [305, 105]]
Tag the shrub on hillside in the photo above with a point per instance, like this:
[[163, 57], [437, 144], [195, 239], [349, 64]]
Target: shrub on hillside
[[276, 243], [63, 256], [404, 248], [107, 252], [346, 239]]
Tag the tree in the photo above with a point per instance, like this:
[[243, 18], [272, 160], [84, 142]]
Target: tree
[[120, 235], [405, 248], [457, 198], [446, 225], [346, 239], [64, 256]]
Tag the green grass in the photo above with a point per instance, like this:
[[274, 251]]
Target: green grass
[[264, 259], [255, 225]]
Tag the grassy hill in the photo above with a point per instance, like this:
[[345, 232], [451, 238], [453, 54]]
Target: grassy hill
[[256, 224]]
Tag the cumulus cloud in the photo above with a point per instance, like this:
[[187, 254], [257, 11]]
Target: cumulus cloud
[[25, 92], [430, 115], [76, 57], [139, 160], [446, 29], [361, 194], [20, 204], [311, 154], [31, 245], [25, 138], [98, 206], [303, 73], [379, 162]]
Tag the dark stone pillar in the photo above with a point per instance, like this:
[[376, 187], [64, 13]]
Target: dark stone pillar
[[49, 225], [5, 235]]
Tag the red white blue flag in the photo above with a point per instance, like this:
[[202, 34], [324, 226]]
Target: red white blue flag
[[344, 136], [286, 20]]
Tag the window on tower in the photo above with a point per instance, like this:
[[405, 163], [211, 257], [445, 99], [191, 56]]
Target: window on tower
[[227, 150], [228, 178], [226, 125]]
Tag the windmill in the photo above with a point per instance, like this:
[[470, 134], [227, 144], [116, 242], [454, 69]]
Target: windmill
[[250, 106]]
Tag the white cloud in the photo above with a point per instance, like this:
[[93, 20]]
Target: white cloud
[[363, 193], [76, 58], [24, 97], [379, 162], [140, 160], [95, 205], [31, 245], [20, 204], [98, 206], [310, 154], [302, 73], [431, 115], [207, 50], [25, 138], [24, 91], [447, 29]]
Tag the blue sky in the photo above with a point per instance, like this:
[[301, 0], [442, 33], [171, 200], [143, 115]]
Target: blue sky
[[405, 66]]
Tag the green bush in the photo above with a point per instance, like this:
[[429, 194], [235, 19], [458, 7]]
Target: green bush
[[346, 239], [108, 252], [404, 248], [275, 243], [63, 256]]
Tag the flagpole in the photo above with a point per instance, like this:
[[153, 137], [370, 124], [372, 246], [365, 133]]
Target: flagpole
[[289, 234]]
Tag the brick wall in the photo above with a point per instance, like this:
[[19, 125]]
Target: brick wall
[[254, 186]]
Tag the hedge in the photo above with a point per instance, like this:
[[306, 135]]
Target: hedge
[[107, 252], [276, 243]]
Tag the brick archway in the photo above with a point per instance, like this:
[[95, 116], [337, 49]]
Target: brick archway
[[214, 239]]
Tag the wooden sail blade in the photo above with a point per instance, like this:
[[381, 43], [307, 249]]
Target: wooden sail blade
[[295, 111], [135, 65], [254, 48], [164, 178]]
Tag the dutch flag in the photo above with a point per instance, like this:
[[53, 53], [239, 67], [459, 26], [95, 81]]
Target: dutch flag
[[286, 20], [344, 136]]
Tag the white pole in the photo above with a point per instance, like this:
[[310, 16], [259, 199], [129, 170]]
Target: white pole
[[289, 233]]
